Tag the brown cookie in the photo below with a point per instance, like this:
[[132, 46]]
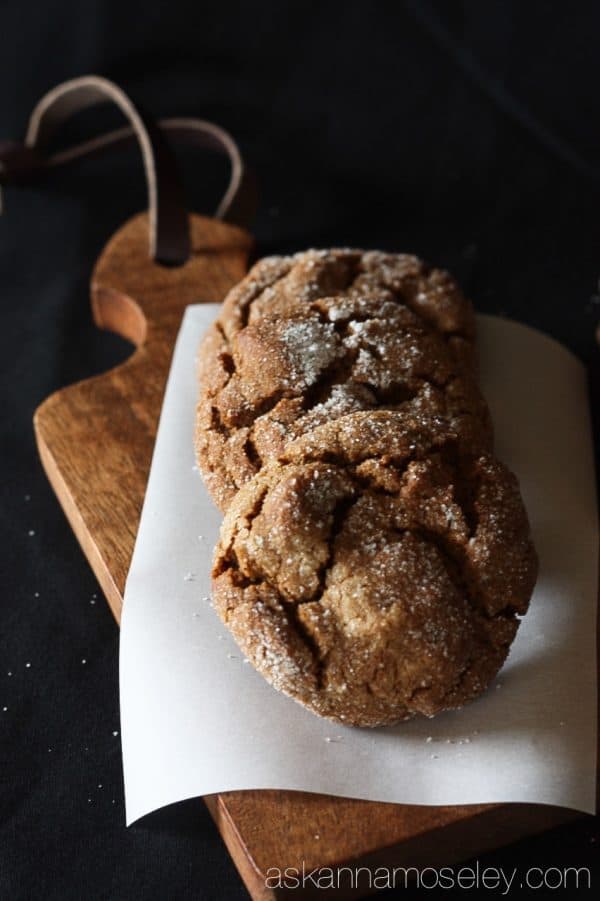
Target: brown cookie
[[372, 589], [287, 371], [278, 285]]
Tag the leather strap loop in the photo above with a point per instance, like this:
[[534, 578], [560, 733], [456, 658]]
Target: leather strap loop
[[169, 235]]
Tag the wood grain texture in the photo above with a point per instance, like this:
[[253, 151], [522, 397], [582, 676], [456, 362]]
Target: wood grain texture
[[95, 440]]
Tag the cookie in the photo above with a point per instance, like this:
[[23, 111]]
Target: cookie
[[281, 284], [372, 588], [296, 364]]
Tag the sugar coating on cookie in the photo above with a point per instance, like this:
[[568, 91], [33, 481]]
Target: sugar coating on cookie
[[308, 338], [375, 557], [373, 589]]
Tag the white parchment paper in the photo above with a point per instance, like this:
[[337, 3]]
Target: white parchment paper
[[196, 719]]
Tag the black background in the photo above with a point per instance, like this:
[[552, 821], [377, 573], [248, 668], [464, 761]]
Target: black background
[[467, 132]]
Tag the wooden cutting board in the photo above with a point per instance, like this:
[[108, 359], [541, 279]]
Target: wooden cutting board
[[95, 440]]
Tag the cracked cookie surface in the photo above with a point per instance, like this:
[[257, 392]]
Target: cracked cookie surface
[[374, 592], [375, 557], [306, 339]]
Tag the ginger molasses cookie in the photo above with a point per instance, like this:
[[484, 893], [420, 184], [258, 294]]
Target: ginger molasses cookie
[[298, 362], [373, 587]]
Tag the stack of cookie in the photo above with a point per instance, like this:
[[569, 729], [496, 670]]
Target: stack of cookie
[[375, 556]]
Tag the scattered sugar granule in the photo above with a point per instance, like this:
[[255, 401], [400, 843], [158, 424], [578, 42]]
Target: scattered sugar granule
[[308, 350], [28, 665], [429, 739], [99, 785], [115, 732], [189, 577], [5, 709], [434, 756], [27, 497], [9, 673], [83, 660], [36, 594], [92, 601], [31, 533], [317, 836]]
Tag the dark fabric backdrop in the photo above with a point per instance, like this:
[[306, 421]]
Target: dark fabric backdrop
[[466, 132]]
